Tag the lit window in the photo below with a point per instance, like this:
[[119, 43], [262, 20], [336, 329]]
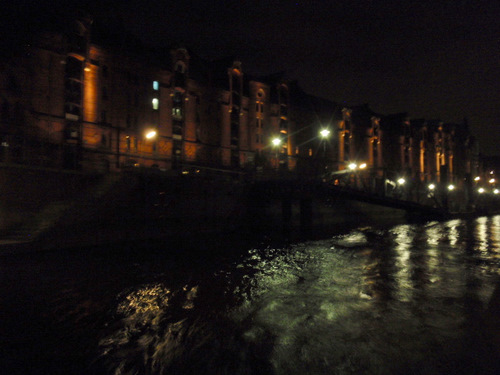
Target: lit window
[[155, 103], [156, 85]]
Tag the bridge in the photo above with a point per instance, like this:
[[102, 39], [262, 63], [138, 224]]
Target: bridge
[[307, 190]]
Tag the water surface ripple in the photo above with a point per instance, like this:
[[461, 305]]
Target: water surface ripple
[[413, 299]]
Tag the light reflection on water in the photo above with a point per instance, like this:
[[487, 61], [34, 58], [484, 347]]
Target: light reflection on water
[[405, 300]]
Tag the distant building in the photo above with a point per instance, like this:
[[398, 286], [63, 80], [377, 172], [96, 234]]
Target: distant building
[[73, 97]]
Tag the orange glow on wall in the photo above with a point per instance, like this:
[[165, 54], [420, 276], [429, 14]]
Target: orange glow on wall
[[190, 151], [90, 94]]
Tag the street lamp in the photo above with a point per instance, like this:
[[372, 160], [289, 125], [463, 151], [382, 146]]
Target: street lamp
[[150, 134], [324, 133], [276, 142]]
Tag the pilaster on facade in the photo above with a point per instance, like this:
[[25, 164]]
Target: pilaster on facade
[[375, 145], [345, 133]]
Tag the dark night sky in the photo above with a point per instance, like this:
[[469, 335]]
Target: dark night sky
[[432, 59]]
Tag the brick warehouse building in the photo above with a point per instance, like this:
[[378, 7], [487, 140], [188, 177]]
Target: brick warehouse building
[[78, 98]]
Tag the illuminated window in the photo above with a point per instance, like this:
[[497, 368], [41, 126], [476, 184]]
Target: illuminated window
[[155, 103], [177, 105], [156, 85]]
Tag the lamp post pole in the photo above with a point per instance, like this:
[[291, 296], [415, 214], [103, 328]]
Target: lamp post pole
[[325, 133], [276, 143]]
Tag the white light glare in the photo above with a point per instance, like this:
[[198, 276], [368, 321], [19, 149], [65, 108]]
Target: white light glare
[[496, 191], [451, 187], [432, 186], [276, 141], [362, 166], [325, 133], [352, 166], [401, 181], [480, 190], [151, 134]]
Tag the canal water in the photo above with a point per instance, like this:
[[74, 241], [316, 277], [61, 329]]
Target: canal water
[[409, 299]]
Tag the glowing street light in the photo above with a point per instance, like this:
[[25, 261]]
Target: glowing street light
[[324, 133], [431, 186], [491, 181], [401, 181], [451, 187], [496, 191], [151, 134], [477, 178], [276, 141], [352, 166], [480, 190]]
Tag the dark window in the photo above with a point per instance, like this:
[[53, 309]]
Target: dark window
[[177, 105], [73, 91], [105, 71], [179, 75], [283, 110], [177, 128], [346, 147], [74, 68], [235, 158], [72, 109]]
